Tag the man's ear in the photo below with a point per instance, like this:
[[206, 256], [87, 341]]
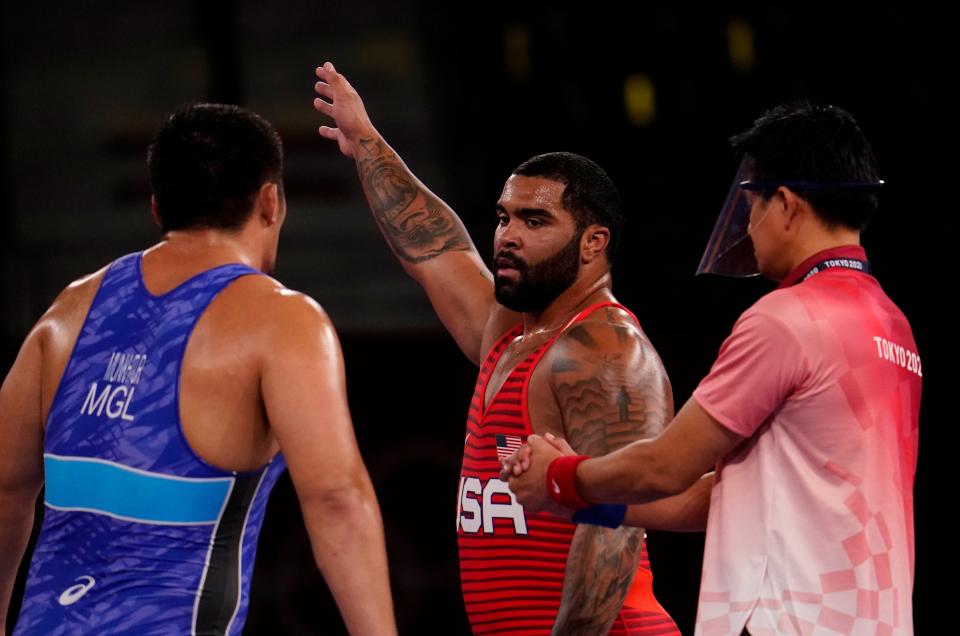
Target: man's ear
[[594, 242], [268, 203]]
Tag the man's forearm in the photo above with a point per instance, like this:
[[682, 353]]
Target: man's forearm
[[417, 225], [346, 533], [16, 521], [667, 465], [686, 512], [600, 568], [634, 474]]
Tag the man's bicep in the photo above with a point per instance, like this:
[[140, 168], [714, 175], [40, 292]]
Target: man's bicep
[[611, 389], [460, 288], [304, 395]]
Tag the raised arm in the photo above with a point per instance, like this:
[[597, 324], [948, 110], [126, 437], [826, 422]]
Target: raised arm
[[423, 232]]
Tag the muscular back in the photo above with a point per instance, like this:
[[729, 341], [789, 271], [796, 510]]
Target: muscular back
[[221, 408]]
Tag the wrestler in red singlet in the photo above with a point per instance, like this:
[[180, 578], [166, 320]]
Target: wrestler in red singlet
[[591, 377], [512, 562]]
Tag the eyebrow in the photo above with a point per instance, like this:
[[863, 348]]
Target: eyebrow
[[526, 213]]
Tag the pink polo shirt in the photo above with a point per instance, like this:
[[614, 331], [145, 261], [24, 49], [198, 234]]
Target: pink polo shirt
[[811, 520]]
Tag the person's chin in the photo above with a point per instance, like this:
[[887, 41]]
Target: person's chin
[[507, 281], [506, 296]]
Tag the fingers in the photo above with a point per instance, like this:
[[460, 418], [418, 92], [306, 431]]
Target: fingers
[[520, 460], [324, 89], [324, 107], [328, 132], [506, 466], [523, 460], [326, 71], [517, 464], [536, 443], [559, 444]]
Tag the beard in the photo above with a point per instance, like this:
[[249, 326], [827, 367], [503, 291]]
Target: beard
[[537, 285]]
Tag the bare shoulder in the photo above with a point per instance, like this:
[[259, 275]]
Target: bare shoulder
[[275, 315], [64, 318], [608, 336], [78, 295], [46, 349], [609, 384]]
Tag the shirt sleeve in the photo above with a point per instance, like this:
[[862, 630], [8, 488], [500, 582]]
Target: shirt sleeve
[[760, 364]]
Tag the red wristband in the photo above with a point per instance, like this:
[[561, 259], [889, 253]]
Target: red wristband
[[560, 481]]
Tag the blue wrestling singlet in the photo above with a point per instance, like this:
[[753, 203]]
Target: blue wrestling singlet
[[140, 535]]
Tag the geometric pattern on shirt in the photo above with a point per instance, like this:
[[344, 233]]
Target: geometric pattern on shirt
[[828, 612]]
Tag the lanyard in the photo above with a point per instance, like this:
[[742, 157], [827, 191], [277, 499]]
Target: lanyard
[[830, 263]]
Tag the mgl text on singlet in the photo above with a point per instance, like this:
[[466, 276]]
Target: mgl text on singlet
[[120, 379]]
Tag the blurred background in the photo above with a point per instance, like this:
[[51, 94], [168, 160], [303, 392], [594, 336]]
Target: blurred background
[[465, 92]]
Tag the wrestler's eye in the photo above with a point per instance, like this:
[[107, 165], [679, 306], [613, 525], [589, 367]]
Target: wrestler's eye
[[534, 222], [502, 219]]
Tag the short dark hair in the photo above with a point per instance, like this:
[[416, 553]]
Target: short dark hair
[[207, 164], [801, 141], [589, 195]]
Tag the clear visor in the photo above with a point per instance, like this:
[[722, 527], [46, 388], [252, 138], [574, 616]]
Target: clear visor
[[730, 250]]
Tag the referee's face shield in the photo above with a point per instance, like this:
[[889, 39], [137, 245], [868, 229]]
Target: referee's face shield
[[729, 251]]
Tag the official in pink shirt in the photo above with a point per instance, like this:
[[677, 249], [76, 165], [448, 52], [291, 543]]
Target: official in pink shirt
[[809, 414]]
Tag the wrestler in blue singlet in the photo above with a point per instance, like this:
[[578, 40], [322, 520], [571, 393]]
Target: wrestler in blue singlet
[[140, 535]]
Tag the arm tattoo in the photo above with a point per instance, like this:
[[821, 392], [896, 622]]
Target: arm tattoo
[[611, 390], [600, 568], [609, 396], [582, 335], [564, 365], [416, 224], [604, 412], [623, 333]]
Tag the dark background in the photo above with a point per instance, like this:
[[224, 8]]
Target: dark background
[[650, 91]]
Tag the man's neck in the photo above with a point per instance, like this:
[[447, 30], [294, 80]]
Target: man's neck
[[212, 245], [581, 294], [820, 241]]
